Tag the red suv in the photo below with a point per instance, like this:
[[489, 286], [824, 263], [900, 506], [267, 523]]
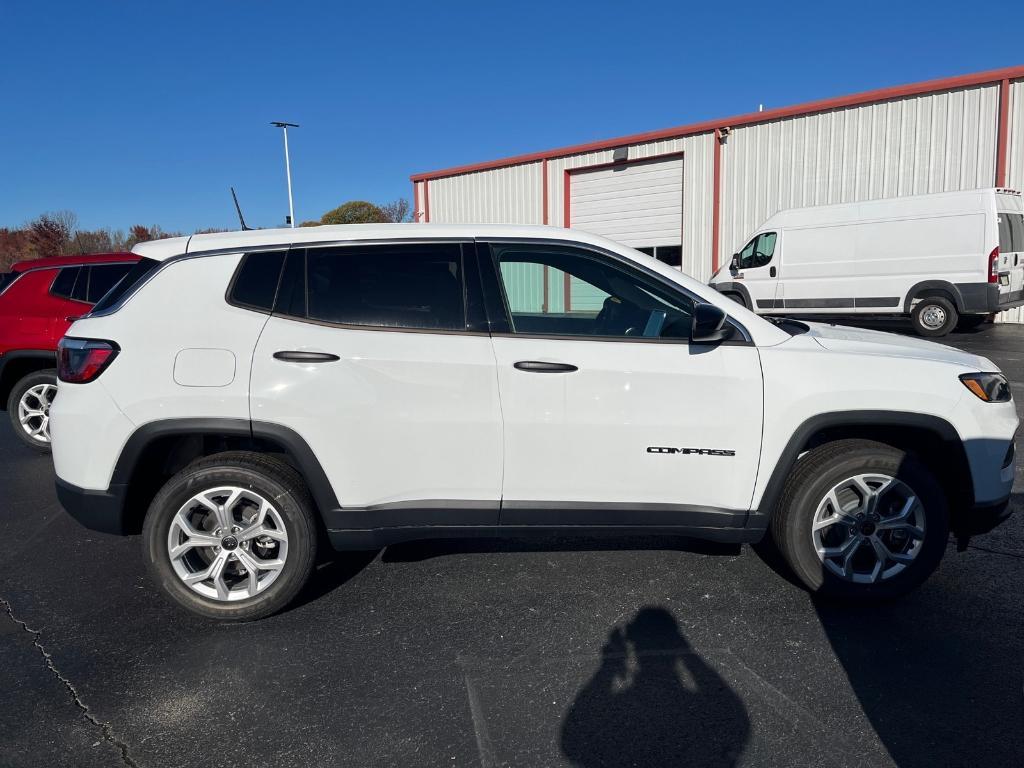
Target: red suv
[[38, 301]]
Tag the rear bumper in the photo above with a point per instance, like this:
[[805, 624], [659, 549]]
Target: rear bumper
[[984, 298], [102, 511]]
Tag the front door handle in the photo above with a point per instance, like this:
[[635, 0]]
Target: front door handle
[[539, 366], [301, 356], [772, 271]]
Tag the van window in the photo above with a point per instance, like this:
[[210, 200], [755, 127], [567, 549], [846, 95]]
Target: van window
[[1011, 232], [392, 286], [759, 251]]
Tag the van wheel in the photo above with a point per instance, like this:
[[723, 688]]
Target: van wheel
[[29, 408], [861, 520], [934, 316], [232, 536]]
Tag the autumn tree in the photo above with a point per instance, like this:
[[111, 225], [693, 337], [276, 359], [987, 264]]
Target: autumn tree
[[355, 212], [397, 211]]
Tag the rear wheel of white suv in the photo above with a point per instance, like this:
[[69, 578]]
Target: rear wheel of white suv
[[861, 519], [29, 408], [232, 536]]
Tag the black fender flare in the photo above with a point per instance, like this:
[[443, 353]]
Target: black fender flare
[[739, 288], [760, 516], [930, 285], [294, 446]]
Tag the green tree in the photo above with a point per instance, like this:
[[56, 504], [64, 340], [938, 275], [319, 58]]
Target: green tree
[[355, 212]]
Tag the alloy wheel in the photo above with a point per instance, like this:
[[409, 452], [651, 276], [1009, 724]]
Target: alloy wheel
[[227, 543], [34, 411], [868, 528]]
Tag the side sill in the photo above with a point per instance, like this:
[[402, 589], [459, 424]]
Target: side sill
[[363, 539]]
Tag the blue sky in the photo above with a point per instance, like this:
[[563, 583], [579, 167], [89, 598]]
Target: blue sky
[[145, 113]]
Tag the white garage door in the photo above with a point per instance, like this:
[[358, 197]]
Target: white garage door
[[639, 204]]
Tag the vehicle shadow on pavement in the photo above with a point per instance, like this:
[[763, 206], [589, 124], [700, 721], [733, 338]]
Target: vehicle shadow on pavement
[[653, 701]]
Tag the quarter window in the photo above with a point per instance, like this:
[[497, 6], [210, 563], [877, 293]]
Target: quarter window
[[406, 286], [255, 284], [759, 251], [103, 277], [566, 291], [64, 284]]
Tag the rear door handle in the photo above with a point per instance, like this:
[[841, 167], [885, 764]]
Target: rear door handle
[[538, 366], [300, 356]]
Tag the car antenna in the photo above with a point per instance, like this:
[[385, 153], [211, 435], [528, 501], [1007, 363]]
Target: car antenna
[[241, 219]]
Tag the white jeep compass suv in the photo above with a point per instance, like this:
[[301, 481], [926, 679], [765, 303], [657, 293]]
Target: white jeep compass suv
[[239, 397]]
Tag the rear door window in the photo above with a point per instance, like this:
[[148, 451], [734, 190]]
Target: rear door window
[[1011, 232], [416, 286]]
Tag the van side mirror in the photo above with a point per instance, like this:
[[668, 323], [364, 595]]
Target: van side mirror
[[709, 325], [734, 265]]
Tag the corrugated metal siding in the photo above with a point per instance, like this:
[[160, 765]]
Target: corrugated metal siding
[[417, 197], [930, 143], [501, 196], [1015, 169], [698, 161]]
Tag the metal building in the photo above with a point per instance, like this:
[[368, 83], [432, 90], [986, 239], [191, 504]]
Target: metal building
[[691, 194]]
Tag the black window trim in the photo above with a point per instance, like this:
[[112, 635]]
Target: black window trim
[[466, 251], [502, 301], [754, 239]]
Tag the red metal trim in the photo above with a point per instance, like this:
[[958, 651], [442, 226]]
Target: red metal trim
[[544, 204], [565, 198], [426, 200], [613, 164], [716, 200], [1004, 131], [821, 105], [416, 202]]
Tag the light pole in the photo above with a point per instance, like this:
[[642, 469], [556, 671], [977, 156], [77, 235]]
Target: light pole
[[287, 168]]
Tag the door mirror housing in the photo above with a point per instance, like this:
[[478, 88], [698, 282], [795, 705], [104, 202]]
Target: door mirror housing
[[734, 265], [709, 325]]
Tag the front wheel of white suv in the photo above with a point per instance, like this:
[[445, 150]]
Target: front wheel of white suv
[[862, 520], [232, 536]]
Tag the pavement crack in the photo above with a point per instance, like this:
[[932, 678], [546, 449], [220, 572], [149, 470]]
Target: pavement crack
[[106, 731], [991, 551]]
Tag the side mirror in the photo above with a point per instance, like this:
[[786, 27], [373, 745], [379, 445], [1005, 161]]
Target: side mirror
[[709, 325], [734, 265]]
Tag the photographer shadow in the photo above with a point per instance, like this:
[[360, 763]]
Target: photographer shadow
[[653, 701]]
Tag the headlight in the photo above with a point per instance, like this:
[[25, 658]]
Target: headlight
[[990, 387]]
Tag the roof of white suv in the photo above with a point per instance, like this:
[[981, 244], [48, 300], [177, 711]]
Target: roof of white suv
[[159, 250]]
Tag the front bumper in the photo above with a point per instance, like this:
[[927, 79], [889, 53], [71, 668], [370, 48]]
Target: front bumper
[[102, 511]]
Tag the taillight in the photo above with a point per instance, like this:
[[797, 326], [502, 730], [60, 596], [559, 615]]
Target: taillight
[[81, 360], [993, 266]]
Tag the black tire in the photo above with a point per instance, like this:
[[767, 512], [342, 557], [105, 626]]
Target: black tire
[[270, 478], [824, 468], [46, 376], [970, 322], [927, 310]]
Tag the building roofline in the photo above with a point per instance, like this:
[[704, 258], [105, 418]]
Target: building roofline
[[707, 126]]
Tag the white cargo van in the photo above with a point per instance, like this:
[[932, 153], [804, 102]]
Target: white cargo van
[[940, 258]]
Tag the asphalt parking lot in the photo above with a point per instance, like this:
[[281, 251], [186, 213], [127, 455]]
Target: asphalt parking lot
[[584, 652]]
